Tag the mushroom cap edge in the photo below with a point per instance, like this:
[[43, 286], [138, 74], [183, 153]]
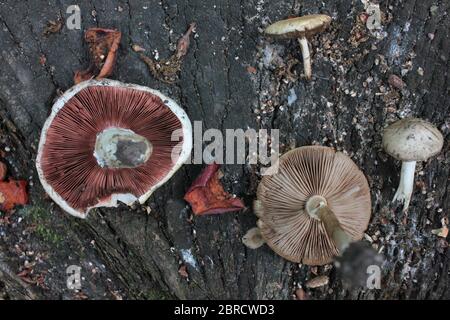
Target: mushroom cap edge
[[126, 198]]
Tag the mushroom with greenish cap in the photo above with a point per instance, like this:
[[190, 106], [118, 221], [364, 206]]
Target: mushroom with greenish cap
[[410, 140], [300, 28]]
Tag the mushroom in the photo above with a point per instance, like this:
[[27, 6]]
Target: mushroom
[[106, 141], [300, 28], [314, 206], [410, 140], [253, 238]]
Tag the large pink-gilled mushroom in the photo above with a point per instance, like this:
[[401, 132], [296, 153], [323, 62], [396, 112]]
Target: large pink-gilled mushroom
[[107, 142]]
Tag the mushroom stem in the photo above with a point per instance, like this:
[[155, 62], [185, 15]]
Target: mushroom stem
[[341, 239], [406, 184], [306, 57]]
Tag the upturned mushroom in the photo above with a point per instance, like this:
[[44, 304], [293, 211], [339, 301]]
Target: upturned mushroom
[[300, 28], [107, 141], [410, 140], [314, 206]]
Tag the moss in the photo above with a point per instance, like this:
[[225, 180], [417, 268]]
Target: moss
[[40, 217]]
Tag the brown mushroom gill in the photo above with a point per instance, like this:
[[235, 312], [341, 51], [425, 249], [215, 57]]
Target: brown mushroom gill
[[317, 202]]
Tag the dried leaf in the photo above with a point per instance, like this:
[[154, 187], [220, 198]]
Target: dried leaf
[[251, 70], [80, 296], [441, 232], [53, 27], [167, 70], [3, 171], [137, 48], [184, 41], [103, 45], [42, 60], [12, 193], [207, 196], [300, 294], [183, 271]]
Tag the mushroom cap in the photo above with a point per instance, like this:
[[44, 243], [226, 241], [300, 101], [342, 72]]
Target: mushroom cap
[[68, 163], [303, 173], [412, 139], [305, 26], [253, 239]]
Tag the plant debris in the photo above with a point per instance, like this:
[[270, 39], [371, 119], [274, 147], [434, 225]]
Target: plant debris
[[3, 171], [358, 34], [137, 48], [103, 45], [53, 27], [12, 193], [27, 276], [442, 232], [317, 282], [207, 196], [183, 271], [396, 82], [251, 69], [300, 294], [167, 70]]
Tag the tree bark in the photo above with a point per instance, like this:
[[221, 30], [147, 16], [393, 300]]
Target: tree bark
[[128, 253]]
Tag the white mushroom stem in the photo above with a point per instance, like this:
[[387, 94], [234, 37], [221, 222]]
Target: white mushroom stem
[[317, 208], [405, 188], [306, 57]]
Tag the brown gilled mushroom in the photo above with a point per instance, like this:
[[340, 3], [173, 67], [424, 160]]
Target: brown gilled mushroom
[[314, 206], [300, 28], [106, 141]]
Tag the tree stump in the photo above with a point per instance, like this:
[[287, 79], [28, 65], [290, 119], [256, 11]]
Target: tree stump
[[232, 77]]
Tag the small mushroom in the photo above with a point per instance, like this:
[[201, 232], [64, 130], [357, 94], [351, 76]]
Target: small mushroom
[[317, 282], [314, 206], [410, 140], [300, 28], [253, 238]]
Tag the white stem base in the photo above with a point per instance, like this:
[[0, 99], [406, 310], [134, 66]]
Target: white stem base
[[306, 57], [405, 188]]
